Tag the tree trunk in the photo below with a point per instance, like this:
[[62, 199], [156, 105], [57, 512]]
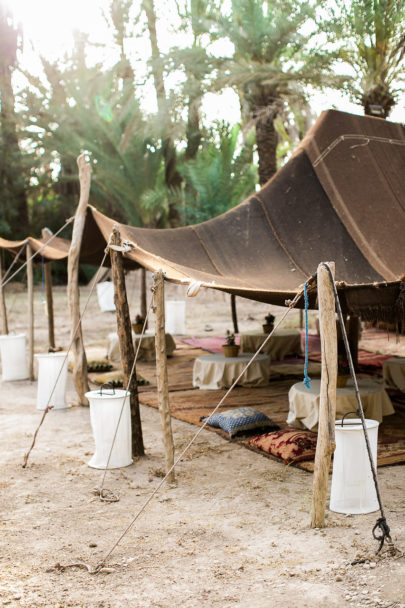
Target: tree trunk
[[79, 354], [172, 176], [126, 345], [12, 175], [264, 112]]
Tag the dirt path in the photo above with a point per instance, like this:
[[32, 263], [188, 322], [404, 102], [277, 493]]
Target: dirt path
[[233, 530]]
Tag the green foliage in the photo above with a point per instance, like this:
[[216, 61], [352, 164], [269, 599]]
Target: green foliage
[[371, 38], [220, 177]]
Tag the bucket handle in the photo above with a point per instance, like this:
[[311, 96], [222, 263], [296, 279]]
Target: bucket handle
[[347, 414], [107, 385]]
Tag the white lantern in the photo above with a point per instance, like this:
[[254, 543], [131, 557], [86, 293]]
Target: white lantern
[[52, 377], [110, 415], [13, 357], [353, 490]]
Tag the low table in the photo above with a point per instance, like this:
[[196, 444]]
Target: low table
[[304, 402], [216, 371], [282, 343], [146, 350], [394, 373]]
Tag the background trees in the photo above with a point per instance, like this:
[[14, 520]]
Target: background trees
[[138, 110]]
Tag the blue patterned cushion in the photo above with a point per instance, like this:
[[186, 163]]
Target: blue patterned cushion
[[240, 420]]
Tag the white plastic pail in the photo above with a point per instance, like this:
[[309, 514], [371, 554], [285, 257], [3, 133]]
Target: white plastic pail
[[175, 312], [105, 409], [52, 377], [13, 357], [105, 295], [353, 489]]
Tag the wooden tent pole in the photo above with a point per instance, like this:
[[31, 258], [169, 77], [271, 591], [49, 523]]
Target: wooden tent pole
[[327, 404], [234, 314], [30, 289], [46, 234], [79, 354], [353, 336], [144, 304], [161, 370], [4, 321], [126, 345]]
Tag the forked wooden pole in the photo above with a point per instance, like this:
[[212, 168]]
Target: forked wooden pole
[[125, 341], [327, 405], [79, 354], [161, 370], [49, 295], [4, 321], [30, 290]]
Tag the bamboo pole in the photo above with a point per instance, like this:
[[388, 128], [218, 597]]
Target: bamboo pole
[[327, 404], [4, 321], [46, 234], [125, 341], [161, 370], [30, 290], [79, 354], [234, 314]]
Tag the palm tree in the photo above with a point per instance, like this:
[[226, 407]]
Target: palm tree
[[374, 46], [272, 61]]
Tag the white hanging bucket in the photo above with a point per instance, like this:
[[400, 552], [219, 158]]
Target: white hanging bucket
[[105, 410], [175, 312], [13, 357], [105, 295], [353, 490], [52, 377]]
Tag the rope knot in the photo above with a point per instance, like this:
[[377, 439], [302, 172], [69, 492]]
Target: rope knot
[[381, 523]]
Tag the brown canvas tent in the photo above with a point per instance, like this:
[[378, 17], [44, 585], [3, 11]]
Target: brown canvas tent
[[341, 197], [57, 249]]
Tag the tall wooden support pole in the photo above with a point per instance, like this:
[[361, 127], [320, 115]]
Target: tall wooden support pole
[[30, 289], [127, 351], [79, 355], [144, 304], [161, 370], [4, 321], [46, 234], [301, 319], [234, 315], [327, 405]]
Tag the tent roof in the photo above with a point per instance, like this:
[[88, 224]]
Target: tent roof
[[341, 197], [57, 249]]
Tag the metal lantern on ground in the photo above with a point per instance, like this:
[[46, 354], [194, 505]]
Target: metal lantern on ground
[[52, 377], [353, 490], [13, 357], [107, 421]]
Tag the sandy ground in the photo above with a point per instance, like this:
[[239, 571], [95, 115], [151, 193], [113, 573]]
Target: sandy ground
[[232, 531]]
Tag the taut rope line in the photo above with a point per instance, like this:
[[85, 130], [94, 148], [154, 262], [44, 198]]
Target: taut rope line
[[179, 458], [15, 260], [48, 408], [39, 250]]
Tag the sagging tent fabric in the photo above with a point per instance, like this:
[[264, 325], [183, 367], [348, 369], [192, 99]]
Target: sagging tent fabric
[[57, 249], [341, 197]]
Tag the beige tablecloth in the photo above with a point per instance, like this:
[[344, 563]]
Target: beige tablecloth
[[394, 373], [282, 343], [304, 402], [216, 371], [147, 348]]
